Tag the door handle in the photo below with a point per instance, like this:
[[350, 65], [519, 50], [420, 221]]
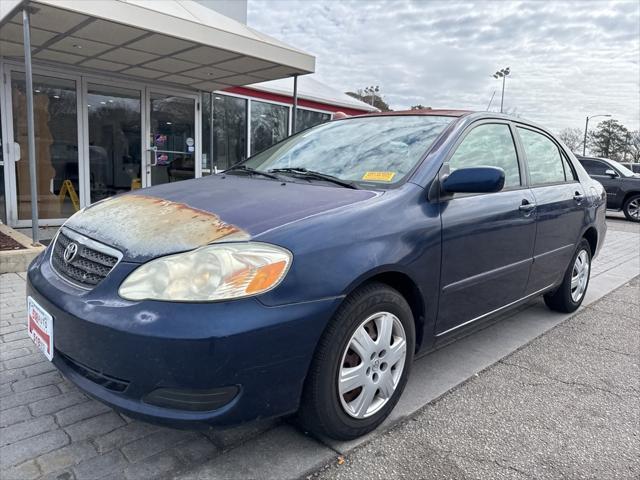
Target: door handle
[[578, 197], [17, 154], [527, 206]]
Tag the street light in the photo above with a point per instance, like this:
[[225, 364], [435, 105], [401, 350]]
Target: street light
[[504, 73], [586, 127]]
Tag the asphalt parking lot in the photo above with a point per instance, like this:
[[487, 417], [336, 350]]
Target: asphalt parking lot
[[567, 405], [550, 409]]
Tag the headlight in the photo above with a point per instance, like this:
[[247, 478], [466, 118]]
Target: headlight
[[215, 272]]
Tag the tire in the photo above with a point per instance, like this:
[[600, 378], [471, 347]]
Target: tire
[[631, 208], [368, 310], [565, 299]]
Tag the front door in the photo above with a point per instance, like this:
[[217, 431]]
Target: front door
[[612, 182], [174, 137], [487, 239]]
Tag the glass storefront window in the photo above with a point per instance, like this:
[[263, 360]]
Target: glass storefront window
[[229, 132], [269, 125], [3, 198], [56, 131], [307, 119], [114, 140]]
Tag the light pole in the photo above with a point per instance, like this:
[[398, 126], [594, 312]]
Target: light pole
[[586, 128], [503, 73]]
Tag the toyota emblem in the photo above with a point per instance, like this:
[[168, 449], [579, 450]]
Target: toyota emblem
[[70, 252]]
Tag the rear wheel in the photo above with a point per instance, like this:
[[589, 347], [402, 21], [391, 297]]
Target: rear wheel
[[631, 208], [570, 294], [361, 365]]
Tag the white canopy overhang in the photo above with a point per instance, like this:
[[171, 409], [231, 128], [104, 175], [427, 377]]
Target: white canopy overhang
[[180, 42]]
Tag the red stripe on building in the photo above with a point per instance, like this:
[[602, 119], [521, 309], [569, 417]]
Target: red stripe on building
[[274, 97]]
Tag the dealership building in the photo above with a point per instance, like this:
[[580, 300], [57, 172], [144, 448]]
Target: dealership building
[[128, 94]]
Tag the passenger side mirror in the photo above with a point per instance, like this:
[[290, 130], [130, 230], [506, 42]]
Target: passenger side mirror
[[612, 173], [474, 180]]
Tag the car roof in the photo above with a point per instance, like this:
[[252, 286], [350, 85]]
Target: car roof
[[424, 111]]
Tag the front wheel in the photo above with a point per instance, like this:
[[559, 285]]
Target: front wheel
[[361, 365], [631, 208], [570, 294]]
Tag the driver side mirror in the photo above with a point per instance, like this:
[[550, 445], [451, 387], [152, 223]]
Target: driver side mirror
[[474, 180], [611, 172]]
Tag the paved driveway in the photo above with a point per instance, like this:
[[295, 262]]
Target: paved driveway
[[48, 429]]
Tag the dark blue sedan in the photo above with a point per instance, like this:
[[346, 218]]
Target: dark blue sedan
[[308, 278]]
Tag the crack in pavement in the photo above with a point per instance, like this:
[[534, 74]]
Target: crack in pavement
[[450, 453], [565, 382]]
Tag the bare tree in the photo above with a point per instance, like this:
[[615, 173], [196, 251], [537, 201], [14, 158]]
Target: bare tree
[[633, 146], [572, 138], [370, 95]]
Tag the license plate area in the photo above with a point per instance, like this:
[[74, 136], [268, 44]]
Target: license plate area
[[40, 327]]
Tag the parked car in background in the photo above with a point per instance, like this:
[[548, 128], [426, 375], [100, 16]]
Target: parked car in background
[[621, 184], [345, 251], [634, 167]]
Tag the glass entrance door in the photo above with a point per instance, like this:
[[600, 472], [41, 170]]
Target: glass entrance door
[[56, 140], [115, 146], [173, 138]]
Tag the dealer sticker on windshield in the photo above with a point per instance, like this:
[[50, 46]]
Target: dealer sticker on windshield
[[40, 326], [379, 176]]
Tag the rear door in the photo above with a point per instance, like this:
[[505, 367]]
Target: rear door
[[487, 239], [560, 205], [611, 183]]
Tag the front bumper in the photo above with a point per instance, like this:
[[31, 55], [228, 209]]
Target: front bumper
[[120, 351]]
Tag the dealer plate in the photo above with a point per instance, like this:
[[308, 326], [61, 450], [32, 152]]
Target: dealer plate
[[40, 326]]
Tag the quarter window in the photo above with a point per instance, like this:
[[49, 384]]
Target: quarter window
[[543, 157], [489, 145]]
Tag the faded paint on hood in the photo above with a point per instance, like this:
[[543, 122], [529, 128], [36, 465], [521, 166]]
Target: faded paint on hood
[[146, 226], [181, 216]]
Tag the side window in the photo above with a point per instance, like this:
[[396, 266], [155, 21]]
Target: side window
[[489, 145], [543, 157], [593, 167]]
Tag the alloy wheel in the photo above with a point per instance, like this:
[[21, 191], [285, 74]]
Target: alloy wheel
[[580, 275], [372, 365], [633, 209]]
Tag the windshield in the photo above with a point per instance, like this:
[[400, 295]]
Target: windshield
[[622, 169], [374, 150]]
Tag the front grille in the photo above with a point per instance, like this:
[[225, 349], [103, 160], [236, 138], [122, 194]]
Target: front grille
[[89, 266], [107, 381]]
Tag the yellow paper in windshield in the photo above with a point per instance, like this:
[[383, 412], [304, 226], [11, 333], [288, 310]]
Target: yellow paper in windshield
[[379, 176]]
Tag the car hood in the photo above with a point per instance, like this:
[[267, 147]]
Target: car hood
[[181, 216]]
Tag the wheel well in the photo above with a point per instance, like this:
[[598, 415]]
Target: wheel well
[[627, 197], [591, 235], [409, 290]]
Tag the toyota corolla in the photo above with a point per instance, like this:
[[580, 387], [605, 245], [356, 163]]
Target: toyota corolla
[[307, 279]]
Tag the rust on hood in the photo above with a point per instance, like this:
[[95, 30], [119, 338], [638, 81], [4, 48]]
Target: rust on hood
[[146, 226]]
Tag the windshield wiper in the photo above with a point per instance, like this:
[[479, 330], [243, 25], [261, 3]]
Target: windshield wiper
[[304, 173], [251, 171]]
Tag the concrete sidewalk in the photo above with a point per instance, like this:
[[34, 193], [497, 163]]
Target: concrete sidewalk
[[565, 406], [48, 429]]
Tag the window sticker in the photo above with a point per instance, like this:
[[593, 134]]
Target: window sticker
[[379, 176]]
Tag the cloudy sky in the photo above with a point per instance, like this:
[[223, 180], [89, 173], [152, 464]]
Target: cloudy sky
[[568, 59]]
